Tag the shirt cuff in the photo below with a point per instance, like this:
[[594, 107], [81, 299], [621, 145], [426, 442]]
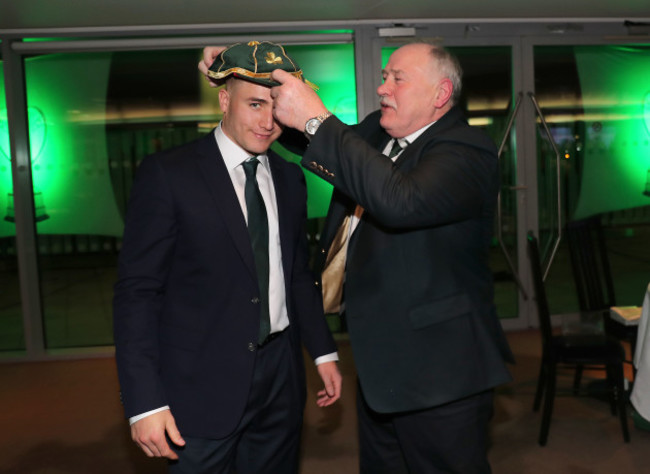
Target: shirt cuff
[[334, 356], [135, 418]]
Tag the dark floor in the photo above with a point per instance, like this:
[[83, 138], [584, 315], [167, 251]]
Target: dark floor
[[65, 417]]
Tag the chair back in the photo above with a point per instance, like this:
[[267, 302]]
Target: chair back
[[590, 264], [541, 301]]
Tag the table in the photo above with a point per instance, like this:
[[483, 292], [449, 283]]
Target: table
[[640, 396]]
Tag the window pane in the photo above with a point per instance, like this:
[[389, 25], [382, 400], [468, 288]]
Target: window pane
[[11, 323], [98, 115], [596, 102]]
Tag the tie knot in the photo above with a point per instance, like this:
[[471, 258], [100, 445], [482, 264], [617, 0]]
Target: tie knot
[[396, 148], [250, 167]]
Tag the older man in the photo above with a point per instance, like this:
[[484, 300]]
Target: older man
[[411, 217]]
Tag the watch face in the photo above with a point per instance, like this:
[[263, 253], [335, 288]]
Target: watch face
[[312, 125]]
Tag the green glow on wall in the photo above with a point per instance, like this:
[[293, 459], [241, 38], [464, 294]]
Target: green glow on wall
[[331, 68], [67, 145], [615, 82], [6, 184], [70, 169]]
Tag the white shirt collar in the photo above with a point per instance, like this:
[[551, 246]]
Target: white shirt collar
[[413, 136]]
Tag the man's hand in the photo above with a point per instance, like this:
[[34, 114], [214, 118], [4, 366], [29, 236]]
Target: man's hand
[[331, 377], [209, 55], [149, 434], [294, 102]]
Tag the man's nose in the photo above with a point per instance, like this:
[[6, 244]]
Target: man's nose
[[383, 89], [267, 120]]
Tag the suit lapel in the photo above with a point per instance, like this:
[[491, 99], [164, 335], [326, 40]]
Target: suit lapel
[[215, 175]]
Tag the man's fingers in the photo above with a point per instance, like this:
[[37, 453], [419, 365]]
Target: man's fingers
[[324, 399], [149, 434], [146, 449], [210, 53], [174, 434], [280, 76]]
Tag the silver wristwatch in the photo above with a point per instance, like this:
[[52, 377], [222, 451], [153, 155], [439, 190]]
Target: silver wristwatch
[[313, 123]]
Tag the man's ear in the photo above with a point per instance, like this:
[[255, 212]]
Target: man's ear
[[443, 93], [224, 100]]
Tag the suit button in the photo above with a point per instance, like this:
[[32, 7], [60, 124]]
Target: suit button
[[255, 300], [316, 283], [322, 251], [313, 164], [251, 347]]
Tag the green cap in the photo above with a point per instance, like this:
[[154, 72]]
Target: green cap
[[254, 61]]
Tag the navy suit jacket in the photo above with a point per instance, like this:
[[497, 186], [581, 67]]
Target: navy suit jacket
[[186, 313], [418, 288]]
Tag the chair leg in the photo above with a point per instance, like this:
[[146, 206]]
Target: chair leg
[[619, 391], [577, 378], [540, 386], [548, 403], [612, 381]]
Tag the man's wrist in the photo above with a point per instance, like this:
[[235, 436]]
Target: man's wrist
[[133, 419], [312, 125], [333, 357]]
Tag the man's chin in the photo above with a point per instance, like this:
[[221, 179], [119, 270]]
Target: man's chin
[[384, 121]]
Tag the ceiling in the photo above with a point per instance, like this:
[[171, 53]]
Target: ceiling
[[29, 16]]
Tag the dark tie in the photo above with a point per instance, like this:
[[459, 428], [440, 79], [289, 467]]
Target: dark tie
[[258, 229], [394, 151]]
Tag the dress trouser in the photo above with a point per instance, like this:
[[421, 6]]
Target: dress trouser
[[450, 438], [267, 439]]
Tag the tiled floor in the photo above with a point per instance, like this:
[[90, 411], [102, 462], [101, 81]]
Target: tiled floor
[[65, 417]]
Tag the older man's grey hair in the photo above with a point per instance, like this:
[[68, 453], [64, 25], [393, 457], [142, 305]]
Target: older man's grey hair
[[449, 67]]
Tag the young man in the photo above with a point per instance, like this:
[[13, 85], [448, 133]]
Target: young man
[[214, 298]]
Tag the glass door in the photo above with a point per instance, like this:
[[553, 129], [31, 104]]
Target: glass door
[[596, 101]]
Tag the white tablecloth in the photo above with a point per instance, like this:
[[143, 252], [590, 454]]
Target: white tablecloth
[[640, 397]]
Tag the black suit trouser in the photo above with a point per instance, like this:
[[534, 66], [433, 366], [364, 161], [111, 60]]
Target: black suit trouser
[[267, 439], [450, 438]]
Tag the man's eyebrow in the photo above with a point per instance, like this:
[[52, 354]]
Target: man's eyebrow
[[257, 99], [394, 72]]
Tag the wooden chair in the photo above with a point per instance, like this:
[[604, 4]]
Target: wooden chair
[[592, 275], [574, 351]]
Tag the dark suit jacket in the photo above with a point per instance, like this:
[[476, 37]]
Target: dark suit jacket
[[185, 308], [418, 289]]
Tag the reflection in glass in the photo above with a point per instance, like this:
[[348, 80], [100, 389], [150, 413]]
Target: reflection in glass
[[94, 131], [594, 100], [11, 323]]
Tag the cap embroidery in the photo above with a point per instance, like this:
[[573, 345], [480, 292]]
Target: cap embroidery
[[271, 58]]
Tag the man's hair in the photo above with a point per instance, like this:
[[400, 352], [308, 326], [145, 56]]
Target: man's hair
[[449, 67]]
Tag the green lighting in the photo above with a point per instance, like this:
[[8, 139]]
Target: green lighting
[[69, 161], [614, 83], [7, 228], [331, 67]]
